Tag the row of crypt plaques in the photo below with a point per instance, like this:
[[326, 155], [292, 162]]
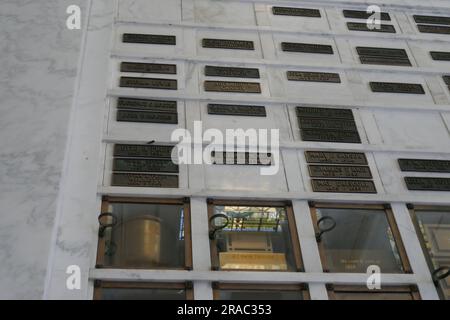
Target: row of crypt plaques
[[339, 172], [426, 165]]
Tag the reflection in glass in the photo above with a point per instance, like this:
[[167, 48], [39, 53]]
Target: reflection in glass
[[259, 295], [435, 229], [362, 237], [145, 236], [256, 238], [142, 294]]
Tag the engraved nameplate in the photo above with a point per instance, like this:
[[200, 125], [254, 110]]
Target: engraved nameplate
[[397, 87], [313, 76], [228, 44], [343, 186], [360, 172], [356, 26], [143, 151], [148, 68], [354, 158], [433, 29], [230, 72], [144, 180], [144, 165], [384, 52], [431, 19], [147, 117], [236, 87], [298, 12], [385, 61], [421, 165], [241, 158], [306, 47], [334, 124], [147, 105], [149, 39], [313, 112], [237, 110], [330, 136], [428, 184], [357, 14], [148, 83], [440, 55]]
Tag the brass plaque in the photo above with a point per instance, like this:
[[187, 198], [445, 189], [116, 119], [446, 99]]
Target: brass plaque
[[252, 260], [241, 158], [148, 68], [421, 165], [148, 117], [431, 19], [382, 52], [149, 39], [147, 105], [313, 76], [397, 87], [359, 14], [359, 172], [228, 44], [144, 165], [388, 61], [237, 110], [356, 26], [354, 158], [231, 72], [144, 180], [333, 124], [143, 151], [330, 136], [306, 47], [343, 186], [428, 184], [237, 87], [424, 28], [298, 12], [313, 112], [148, 83], [440, 55]]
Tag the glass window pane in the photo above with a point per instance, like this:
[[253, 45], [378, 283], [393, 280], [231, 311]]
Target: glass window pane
[[256, 238], [435, 229], [361, 238], [260, 295], [372, 296], [145, 236], [142, 294]]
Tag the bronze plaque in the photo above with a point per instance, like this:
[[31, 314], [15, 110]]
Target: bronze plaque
[[355, 158], [313, 112], [241, 158], [382, 52], [424, 165], [359, 14], [143, 151], [440, 55], [144, 180], [330, 136], [228, 44], [322, 123], [424, 28], [237, 110], [313, 76], [397, 87], [231, 72], [147, 105], [428, 184], [431, 19], [297, 12], [356, 26], [306, 47], [148, 68], [237, 87], [359, 172], [343, 186], [144, 165], [149, 39], [147, 117], [148, 83], [388, 61]]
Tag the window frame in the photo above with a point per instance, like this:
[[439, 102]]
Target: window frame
[[185, 202], [389, 217], [411, 289], [300, 287], [299, 267]]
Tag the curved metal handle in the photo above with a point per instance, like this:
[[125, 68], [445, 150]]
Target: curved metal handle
[[213, 230], [441, 273], [103, 226], [322, 231]]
